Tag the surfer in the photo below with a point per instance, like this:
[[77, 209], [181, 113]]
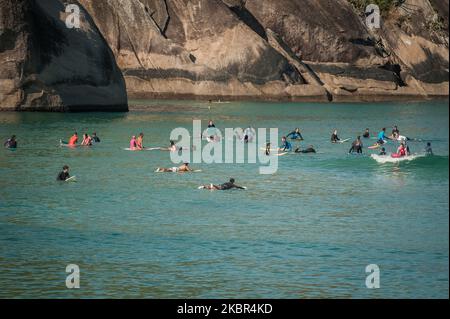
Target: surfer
[[211, 124], [357, 146], [366, 133], [140, 141], [74, 139], [224, 186], [267, 152], [285, 145], [381, 139], [401, 151], [296, 135], [180, 169], [133, 143], [11, 143], [64, 174], [309, 149], [428, 149], [382, 152], [334, 137], [395, 132], [248, 134], [87, 140], [95, 138]]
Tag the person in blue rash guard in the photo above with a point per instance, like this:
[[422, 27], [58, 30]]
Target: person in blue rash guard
[[285, 145], [295, 135], [382, 136]]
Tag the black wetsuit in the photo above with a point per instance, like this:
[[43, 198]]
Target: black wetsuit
[[382, 153], [63, 176], [228, 185], [428, 150], [11, 143], [305, 151], [95, 139], [334, 138], [356, 147], [366, 135]]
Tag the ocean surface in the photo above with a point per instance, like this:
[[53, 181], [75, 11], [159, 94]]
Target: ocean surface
[[307, 231]]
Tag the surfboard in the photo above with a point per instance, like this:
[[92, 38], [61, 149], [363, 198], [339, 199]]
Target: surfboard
[[213, 189], [194, 171], [281, 154], [343, 141], [145, 149], [382, 159], [71, 179]]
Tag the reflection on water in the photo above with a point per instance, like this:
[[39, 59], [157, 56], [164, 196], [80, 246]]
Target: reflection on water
[[307, 231]]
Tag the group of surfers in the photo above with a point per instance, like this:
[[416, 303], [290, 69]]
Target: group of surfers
[[86, 141]]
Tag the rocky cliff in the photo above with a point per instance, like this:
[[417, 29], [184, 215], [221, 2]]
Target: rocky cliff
[[318, 50], [46, 66]]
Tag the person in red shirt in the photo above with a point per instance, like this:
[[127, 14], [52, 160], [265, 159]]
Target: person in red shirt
[[74, 139]]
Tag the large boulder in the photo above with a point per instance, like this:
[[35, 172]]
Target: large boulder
[[46, 66]]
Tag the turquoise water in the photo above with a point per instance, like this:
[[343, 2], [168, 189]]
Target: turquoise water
[[307, 231]]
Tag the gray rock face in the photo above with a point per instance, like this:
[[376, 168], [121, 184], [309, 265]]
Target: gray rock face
[[46, 66]]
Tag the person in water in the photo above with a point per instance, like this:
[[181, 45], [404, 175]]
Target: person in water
[[402, 151], [428, 149], [95, 138], [334, 137], [225, 186], [74, 139], [357, 146], [11, 143], [133, 143], [211, 124], [87, 140], [285, 145], [140, 141], [382, 152], [381, 139], [248, 134], [366, 133], [180, 169], [267, 152], [395, 132], [309, 149], [64, 174], [295, 135]]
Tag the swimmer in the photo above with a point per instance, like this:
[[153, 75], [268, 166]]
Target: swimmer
[[428, 149], [366, 133], [224, 186], [357, 146], [11, 143], [87, 140], [74, 139], [310, 149], [133, 143], [64, 174], [211, 124], [285, 145], [95, 138], [140, 141], [180, 169], [334, 137], [296, 135]]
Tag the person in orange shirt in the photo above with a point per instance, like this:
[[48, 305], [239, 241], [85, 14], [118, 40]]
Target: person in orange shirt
[[140, 141], [74, 139]]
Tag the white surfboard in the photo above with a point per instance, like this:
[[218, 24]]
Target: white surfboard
[[71, 179]]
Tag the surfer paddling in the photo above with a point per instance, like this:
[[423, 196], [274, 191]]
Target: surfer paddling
[[334, 137], [180, 169], [222, 187], [64, 174]]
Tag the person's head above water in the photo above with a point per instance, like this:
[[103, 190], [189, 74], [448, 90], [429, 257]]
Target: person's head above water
[[94, 134], [172, 143], [232, 180], [141, 134], [76, 134], [133, 137], [428, 144], [65, 168], [297, 130], [335, 132], [283, 138], [13, 138], [384, 129]]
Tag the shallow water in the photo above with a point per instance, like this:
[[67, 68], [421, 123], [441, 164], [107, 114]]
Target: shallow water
[[307, 231]]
